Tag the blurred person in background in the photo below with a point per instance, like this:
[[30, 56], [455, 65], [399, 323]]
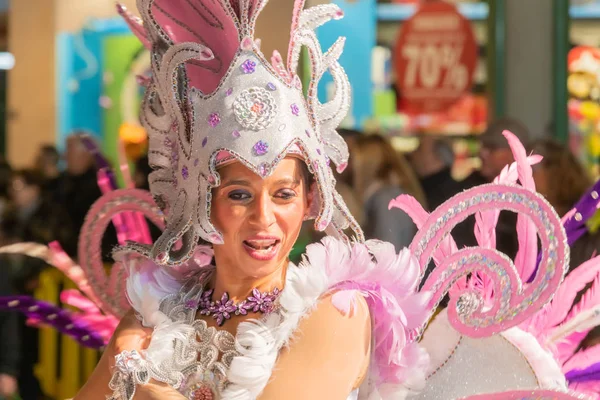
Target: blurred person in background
[[31, 218], [433, 165], [494, 150], [432, 161], [79, 191], [559, 177], [379, 174], [47, 163]]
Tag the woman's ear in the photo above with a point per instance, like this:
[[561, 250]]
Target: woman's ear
[[311, 197]]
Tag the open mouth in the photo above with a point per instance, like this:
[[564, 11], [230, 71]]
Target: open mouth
[[262, 249], [261, 245]]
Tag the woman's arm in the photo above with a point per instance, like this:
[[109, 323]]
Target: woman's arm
[[129, 335], [328, 357]]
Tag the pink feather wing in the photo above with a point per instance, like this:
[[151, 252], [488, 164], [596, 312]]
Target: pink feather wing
[[574, 283]]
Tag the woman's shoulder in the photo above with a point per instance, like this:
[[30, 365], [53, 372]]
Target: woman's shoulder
[[330, 350]]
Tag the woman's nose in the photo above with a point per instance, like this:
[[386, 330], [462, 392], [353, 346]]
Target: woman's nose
[[264, 212]]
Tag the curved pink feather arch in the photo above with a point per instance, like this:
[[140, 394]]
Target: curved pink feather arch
[[109, 289], [515, 301]]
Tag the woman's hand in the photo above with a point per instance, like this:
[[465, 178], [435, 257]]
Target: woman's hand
[[130, 335]]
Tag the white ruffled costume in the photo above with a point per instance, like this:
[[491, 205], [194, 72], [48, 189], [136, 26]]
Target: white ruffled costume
[[239, 367]]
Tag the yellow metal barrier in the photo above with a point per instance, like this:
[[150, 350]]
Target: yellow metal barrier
[[63, 364]]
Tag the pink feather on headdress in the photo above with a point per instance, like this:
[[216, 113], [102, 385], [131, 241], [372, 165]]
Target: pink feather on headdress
[[210, 23], [135, 24]]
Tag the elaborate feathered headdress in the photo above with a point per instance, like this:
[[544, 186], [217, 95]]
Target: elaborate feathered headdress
[[213, 98]]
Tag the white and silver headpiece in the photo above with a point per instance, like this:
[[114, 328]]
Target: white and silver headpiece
[[213, 97]]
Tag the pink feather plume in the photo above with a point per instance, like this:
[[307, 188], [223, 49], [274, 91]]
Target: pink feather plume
[[417, 213], [388, 281], [525, 261]]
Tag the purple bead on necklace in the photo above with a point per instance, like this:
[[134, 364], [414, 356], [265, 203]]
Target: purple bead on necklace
[[224, 309]]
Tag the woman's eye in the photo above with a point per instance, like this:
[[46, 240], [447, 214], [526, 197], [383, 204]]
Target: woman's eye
[[239, 195], [286, 194]]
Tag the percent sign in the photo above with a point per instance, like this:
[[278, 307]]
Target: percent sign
[[431, 61]]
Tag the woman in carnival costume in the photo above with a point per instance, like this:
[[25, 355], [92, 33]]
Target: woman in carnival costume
[[241, 158]]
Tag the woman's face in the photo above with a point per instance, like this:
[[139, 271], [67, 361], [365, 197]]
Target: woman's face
[[260, 219]]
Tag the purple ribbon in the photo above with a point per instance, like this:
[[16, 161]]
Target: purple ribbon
[[591, 373], [60, 319], [575, 228]]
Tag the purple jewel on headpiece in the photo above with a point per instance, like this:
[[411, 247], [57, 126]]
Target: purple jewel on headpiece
[[307, 132], [204, 141], [271, 86], [185, 173], [229, 92], [264, 169], [249, 66], [196, 162], [236, 134], [214, 119], [295, 109], [319, 151], [261, 148]]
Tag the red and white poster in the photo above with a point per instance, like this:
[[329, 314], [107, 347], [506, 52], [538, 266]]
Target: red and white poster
[[435, 58]]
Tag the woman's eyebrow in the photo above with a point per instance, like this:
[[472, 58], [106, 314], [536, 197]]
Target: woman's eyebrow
[[288, 181], [236, 182]]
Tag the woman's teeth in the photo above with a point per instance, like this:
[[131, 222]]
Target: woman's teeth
[[261, 244]]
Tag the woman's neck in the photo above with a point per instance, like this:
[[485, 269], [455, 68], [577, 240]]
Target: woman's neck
[[228, 280]]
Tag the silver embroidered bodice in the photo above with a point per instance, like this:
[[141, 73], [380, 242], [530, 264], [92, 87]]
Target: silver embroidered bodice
[[202, 354], [202, 357]]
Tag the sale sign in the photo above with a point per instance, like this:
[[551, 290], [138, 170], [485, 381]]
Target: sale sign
[[435, 58]]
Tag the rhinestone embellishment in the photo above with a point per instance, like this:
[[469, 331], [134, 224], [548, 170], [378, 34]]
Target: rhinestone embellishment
[[261, 148], [295, 109], [255, 108], [214, 119], [248, 67]]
